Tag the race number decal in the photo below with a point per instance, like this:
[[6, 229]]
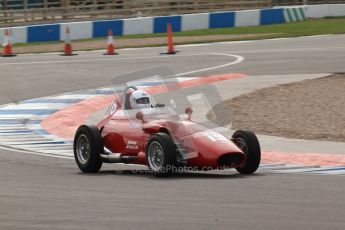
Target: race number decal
[[132, 145], [216, 137]]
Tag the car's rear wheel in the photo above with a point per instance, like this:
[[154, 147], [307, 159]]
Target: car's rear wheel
[[88, 146], [161, 154], [248, 142]]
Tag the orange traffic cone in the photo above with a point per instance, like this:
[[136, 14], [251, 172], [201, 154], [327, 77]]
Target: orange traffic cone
[[68, 51], [171, 49], [110, 45], [7, 45]]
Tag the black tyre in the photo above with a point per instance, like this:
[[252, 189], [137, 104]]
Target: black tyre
[[88, 146], [161, 154], [248, 142]]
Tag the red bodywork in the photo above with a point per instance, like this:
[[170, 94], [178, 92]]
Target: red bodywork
[[200, 147]]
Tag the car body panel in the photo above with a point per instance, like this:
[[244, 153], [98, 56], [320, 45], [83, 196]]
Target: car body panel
[[122, 132]]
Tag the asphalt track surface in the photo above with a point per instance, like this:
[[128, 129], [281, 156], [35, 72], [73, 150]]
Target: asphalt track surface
[[38, 192]]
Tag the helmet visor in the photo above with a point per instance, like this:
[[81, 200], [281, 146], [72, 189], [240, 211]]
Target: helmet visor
[[143, 100]]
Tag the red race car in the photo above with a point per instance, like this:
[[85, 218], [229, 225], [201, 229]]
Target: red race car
[[136, 132]]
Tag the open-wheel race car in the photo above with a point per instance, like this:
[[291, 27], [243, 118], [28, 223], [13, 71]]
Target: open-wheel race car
[[134, 131]]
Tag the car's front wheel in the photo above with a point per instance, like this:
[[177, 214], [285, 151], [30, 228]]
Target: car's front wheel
[[88, 146], [248, 142], [161, 154]]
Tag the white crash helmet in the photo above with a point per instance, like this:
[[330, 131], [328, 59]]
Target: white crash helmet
[[140, 99]]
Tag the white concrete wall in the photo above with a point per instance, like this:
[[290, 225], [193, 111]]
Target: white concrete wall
[[325, 10], [247, 18], [138, 26], [195, 21], [19, 35], [78, 30], [317, 11], [336, 10]]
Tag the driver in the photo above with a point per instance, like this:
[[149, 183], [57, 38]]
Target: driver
[[139, 99]]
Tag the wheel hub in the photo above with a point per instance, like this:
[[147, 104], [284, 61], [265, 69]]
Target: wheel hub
[[155, 156], [241, 144], [83, 149]]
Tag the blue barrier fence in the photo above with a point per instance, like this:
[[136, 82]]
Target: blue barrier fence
[[93, 29]]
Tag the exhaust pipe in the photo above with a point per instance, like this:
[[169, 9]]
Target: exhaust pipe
[[110, 157], [113, 158]]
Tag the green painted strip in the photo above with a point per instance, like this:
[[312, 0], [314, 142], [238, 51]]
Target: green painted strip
[[289, 14], [297, 16], [302, 13], [286, 16]]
